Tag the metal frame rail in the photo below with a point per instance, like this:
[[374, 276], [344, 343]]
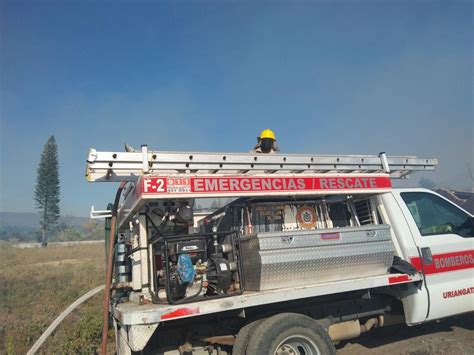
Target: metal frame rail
[[129, 313]]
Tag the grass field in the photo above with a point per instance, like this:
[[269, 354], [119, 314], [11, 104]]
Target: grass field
[[36, 285]]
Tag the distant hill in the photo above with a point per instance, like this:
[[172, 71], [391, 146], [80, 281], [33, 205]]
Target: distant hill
[[26, 223], [463, 199]]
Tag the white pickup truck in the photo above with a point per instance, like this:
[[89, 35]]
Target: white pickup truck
[[302, 259]]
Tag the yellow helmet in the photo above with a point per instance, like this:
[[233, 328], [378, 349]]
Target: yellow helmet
[[267, 133]]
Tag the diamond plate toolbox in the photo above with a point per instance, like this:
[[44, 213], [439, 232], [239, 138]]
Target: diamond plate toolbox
[[298, 258]]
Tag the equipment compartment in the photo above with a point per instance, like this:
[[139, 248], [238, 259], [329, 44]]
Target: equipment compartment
[[298, 258], [296, 242]]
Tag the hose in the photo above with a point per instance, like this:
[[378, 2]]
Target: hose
[[108, 272], [61, 317]]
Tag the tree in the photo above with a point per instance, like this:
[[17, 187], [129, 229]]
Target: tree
[[92, 230], [47, 189]]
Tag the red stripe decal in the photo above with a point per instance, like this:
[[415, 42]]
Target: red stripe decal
[[397, 279], [446, 262], [181, 312], [254, 184]]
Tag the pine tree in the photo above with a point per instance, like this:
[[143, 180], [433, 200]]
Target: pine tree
[[47, 189]]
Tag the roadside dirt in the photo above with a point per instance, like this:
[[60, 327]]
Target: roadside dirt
[[449, 336]]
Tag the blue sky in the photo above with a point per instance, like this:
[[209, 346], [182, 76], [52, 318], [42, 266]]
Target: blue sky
[[341, 77]]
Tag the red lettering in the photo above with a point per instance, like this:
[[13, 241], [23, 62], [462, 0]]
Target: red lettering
[[373, 183], [301, 184], [198, 185], [349, 183], [291, 185], [211, 185], [457, 293], [234, 185], [215, 184], [323, 183], [224, 185], [340, 183], [256, 185], [245, 184], [266, 184], [277, 184]]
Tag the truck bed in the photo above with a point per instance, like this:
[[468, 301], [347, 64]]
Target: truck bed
[[129, 313]]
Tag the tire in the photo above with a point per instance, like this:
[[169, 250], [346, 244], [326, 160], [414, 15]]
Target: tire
[[290, 333], [243, 337]]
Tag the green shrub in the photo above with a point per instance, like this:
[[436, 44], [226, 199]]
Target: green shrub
[[85, 339]]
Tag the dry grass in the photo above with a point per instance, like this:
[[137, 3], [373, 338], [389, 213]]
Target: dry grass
[[36, 285]]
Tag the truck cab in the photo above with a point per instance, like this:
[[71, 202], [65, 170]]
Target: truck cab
[[436, 237]]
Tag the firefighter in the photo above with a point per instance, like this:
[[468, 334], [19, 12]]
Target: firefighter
[[266, 143]]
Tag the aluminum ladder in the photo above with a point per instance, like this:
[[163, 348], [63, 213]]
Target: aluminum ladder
[[128, 166]]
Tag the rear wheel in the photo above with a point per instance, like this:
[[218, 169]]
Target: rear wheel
[[243, 337], [290, 334]]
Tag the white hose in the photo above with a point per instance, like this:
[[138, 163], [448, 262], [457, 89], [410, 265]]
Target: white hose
[[61, 317]]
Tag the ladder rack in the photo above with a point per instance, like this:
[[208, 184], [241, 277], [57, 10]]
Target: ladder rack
[[129, 166]]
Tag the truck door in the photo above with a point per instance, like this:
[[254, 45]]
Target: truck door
[[443, 234]]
